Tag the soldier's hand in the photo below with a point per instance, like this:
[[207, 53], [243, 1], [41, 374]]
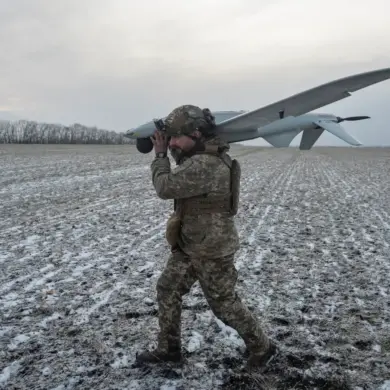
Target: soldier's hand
[[160, 142]]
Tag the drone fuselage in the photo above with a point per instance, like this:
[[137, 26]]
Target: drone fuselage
[[278, 133], [280, 122]]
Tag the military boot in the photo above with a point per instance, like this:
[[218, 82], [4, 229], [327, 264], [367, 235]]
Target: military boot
[[159, 356], [263, 358]]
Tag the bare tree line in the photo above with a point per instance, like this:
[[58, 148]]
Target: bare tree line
[[31, 132]]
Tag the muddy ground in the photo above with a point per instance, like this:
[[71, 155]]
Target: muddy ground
[[82, 245]]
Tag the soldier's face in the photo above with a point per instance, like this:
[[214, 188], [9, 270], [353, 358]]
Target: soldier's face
[[181, 142]]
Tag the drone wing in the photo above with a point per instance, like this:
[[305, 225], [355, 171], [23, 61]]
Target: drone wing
[[304, 102]]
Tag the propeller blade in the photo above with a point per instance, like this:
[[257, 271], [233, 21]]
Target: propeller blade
[[352, 118]]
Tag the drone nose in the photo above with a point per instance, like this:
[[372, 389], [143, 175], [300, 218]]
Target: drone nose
[[130, 133]]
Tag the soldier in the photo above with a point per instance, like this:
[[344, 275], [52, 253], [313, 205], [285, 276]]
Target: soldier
[[201, 233]]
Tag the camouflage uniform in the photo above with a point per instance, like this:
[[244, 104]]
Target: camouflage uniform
[[205, 252]]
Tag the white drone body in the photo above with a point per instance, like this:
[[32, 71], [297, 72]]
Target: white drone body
[[279, 123]]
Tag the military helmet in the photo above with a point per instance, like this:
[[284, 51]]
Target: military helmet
[[185, 119]]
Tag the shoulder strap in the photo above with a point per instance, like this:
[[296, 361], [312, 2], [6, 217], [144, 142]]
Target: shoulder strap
[[209, 149], [178, 207], [226, 159], [216, 151]]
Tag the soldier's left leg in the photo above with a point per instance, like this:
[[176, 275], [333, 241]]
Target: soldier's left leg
[[175, 281], [218, 278]]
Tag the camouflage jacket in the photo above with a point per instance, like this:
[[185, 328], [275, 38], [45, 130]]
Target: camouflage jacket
[[207, 235]]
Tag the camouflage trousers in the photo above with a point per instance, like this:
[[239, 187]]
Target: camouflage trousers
[[217, 278]]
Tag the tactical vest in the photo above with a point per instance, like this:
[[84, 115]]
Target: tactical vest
[[206, 203]]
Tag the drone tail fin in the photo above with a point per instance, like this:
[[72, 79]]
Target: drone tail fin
[[281, 140], [309, 138], [338, 131]]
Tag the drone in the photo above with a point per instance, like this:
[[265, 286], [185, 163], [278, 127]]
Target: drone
[[279, 123]]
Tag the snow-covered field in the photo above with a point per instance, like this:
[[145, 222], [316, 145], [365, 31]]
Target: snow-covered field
[[82, 245]]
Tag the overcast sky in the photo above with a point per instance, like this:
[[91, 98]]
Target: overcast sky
[[117, 64]]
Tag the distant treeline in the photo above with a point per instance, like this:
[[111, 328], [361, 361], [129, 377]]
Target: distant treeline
[[30, 132]]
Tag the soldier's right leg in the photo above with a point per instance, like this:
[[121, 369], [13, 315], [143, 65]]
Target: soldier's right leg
[[175, 281]]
